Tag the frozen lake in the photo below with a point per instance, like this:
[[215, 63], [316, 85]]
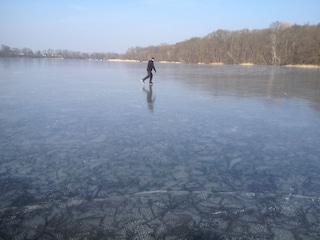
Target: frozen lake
[[207, 152]]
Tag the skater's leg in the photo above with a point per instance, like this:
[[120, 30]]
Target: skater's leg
[[151, 76]]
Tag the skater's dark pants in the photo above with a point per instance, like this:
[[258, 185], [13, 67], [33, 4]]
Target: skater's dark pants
[[150, 75]]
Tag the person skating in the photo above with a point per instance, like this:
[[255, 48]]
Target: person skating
[[150, 67]]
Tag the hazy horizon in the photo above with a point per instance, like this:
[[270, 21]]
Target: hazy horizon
[[117, 26]]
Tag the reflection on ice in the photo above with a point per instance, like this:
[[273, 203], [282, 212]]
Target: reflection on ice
[[226, 155], [150, 98]]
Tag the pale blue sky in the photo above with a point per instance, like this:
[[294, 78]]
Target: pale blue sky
[[116, 25]]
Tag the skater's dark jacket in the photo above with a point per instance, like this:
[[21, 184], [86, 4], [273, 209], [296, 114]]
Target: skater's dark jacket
[[151, 66]]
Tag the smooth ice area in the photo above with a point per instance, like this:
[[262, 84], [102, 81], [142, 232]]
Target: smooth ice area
[[207, 152]]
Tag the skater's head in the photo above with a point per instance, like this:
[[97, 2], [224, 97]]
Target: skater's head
[[152, 59]]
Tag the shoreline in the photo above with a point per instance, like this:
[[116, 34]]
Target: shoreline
[[303, 66], [310, 66], [122, 60], [306, 66]]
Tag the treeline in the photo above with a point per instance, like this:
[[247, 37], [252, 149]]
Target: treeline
[[6, 51], [281, 44]]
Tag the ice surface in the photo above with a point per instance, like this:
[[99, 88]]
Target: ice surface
[[207, 152]]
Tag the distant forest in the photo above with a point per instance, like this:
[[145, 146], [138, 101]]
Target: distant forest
[[7, 51], [280, 44]]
